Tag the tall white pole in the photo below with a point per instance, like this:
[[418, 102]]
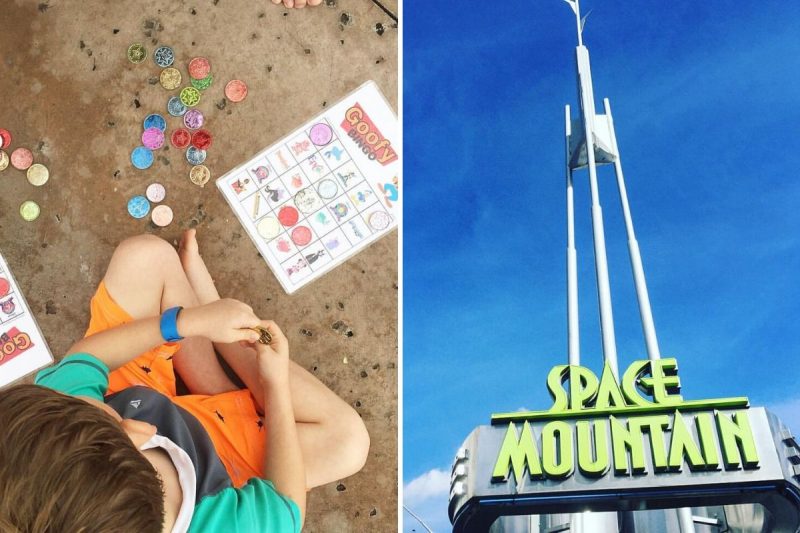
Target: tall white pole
[[573, 334], [685, 518], [601, 263], [648, 326], [595, 522]]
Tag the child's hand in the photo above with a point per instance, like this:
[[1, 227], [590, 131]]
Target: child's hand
[[220, 321], [273, 358]]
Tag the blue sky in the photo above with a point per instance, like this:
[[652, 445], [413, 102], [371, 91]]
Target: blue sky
[[706, 107]]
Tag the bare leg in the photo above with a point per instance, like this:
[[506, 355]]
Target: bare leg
[[332, 435], [145, 277]]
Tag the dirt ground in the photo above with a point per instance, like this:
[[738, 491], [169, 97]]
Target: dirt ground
[[69, 93]]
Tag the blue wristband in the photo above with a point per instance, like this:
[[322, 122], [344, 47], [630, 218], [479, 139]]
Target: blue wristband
[[169, 324]]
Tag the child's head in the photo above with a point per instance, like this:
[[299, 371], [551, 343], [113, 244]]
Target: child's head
[[66, 465]]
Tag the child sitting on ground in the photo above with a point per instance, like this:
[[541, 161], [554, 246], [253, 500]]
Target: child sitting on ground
[[102, 443]]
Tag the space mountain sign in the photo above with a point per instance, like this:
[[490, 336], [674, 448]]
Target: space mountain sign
[[610, 421], [627, 444]]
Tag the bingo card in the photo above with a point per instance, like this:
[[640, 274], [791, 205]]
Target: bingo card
[[23, 349], [324, 192]]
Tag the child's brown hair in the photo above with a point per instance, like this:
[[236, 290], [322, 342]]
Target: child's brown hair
[[65, 465]]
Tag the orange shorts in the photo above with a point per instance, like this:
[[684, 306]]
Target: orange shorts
[[230, 419]]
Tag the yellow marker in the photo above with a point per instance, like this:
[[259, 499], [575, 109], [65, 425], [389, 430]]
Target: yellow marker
[[29, 210]]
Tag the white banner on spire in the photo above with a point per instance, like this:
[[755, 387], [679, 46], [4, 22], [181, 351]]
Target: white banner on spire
[[573, 4]]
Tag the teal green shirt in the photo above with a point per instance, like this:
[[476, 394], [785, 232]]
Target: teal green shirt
[[256, 507]]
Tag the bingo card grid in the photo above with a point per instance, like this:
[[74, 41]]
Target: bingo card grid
[[308, 203]]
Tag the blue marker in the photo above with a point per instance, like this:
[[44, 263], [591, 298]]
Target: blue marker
[[138, 207], [155, 121], [141, 157]]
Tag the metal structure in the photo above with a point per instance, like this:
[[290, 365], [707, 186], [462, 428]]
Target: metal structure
[[764, 499], [594, 143]]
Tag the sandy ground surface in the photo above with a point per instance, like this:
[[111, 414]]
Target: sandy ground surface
[[68, 92]]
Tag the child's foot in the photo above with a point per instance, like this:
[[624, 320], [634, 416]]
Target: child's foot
[[297, 3], [195, 268]]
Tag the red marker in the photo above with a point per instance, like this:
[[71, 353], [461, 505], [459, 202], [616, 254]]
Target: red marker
[[201, 139], [181, 138]]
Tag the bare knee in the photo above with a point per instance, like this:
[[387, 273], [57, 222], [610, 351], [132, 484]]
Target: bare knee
[[146, 244], [146, 249], [354, 442]]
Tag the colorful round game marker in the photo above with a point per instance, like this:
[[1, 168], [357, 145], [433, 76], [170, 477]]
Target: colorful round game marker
[[163, 56], [5, 138], [153, 138], [162, 215], [201, 139], [155, 192], [202, 85], [236, 90], [155, 120], [195, 156], [38, 174], [137, 53], [190, 96], [320, 134], [199, 68], [199, 175], [193, 119], [170, 78], [29, 210], [21, 158], [141, 157], [138, 207], [181, 138], [175, 107], [4, 160]]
